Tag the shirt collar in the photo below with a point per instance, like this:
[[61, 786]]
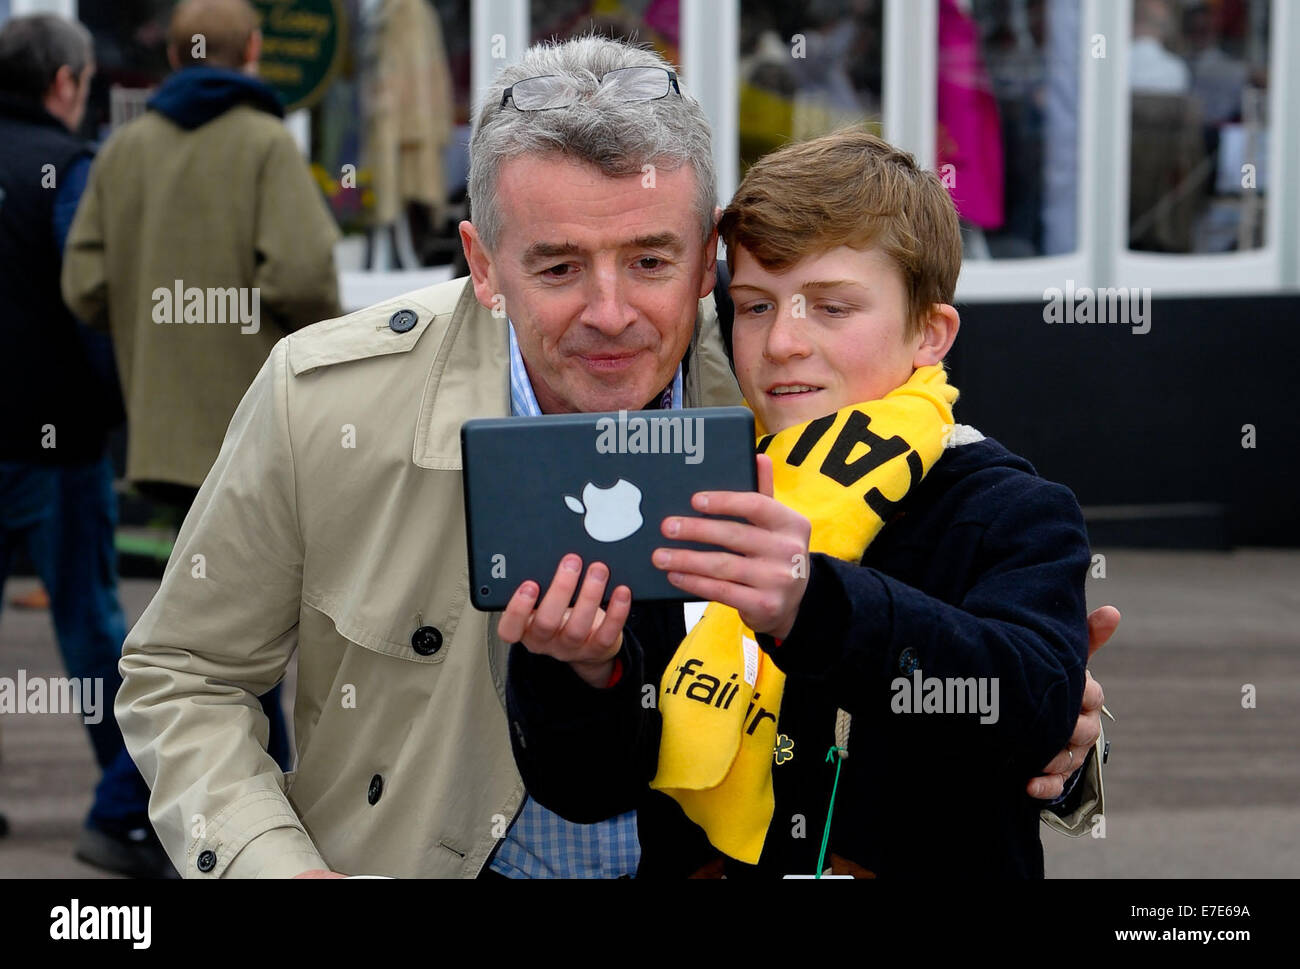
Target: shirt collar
[[523, 401]]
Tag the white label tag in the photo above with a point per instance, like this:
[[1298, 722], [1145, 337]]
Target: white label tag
[[693, 612], [751, 661]]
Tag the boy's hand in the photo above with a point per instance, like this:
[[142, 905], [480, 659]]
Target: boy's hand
[[584, 636], [765, 572]]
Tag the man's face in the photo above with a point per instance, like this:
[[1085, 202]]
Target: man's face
[[601, 277], [823, 334]]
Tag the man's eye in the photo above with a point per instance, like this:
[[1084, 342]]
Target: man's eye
[[557, 272], [650, 262]]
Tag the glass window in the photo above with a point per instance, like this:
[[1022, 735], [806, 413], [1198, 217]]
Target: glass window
[[1007, 133], [652, 22], [1198, 83], [130, 59], [389, 136], [386, 81], [806, 69]]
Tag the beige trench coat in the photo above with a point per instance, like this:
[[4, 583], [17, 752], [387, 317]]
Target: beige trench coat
[[301, 541]]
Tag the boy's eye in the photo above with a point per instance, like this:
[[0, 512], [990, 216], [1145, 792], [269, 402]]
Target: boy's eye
[[834, 309], [757, 309]]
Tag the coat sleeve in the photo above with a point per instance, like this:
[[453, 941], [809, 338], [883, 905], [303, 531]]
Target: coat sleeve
[[294, 243], [1021, 627], [587, 754], [218, 634], [84, 279]]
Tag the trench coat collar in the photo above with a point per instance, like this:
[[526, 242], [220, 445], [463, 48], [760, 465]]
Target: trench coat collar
[[470, 377]]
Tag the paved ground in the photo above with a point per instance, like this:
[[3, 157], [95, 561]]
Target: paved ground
[[1196, 786], [47, 768]]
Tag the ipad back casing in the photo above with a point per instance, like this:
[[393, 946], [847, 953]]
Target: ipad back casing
[[538, 488]]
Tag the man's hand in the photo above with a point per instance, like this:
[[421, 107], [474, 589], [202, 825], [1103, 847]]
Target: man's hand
[[765, 573], [1102, 624], [585, 636], [320, 873]]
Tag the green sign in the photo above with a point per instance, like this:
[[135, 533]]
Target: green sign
[[302, 44]]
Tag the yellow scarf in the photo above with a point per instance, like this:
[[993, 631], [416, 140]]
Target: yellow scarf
[[721, 695]]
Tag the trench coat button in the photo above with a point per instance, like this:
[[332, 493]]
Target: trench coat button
[[376, 789], [402, 321], [207, 861], [908, 660], [426, 640]]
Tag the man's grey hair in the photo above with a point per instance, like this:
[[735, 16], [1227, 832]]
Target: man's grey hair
[[33, 48], [618, 137]]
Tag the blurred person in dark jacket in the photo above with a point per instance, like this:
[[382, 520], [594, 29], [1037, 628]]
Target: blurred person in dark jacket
[[60, 399]]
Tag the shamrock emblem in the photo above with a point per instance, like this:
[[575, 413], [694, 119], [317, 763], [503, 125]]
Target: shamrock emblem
[[784, 749]]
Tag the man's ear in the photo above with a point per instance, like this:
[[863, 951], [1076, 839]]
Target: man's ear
[[937, 335], [66, 83], [253, 52], [61, 96], [481, 269], [710, 278]]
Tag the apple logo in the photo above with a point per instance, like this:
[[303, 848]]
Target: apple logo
[[610, 514]]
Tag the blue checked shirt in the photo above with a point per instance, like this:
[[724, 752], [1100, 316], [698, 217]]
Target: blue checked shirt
[[540, 843]]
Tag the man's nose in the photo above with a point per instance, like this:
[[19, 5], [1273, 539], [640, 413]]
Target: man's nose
[[787, 336], [607, 307]]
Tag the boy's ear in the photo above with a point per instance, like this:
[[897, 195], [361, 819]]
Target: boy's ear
[[937, 335]]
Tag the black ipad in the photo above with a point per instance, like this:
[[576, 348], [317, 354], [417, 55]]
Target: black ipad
[[599, 485]]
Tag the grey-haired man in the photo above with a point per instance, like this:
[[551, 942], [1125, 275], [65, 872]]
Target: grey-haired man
[[332, 525]]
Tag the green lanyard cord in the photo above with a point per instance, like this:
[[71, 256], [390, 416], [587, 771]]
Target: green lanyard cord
[[826, 833]]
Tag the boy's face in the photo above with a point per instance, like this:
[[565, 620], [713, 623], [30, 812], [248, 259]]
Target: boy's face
[[823, 334]]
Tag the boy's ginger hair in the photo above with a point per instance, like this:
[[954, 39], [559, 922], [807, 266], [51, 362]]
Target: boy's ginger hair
[[849, 188]]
